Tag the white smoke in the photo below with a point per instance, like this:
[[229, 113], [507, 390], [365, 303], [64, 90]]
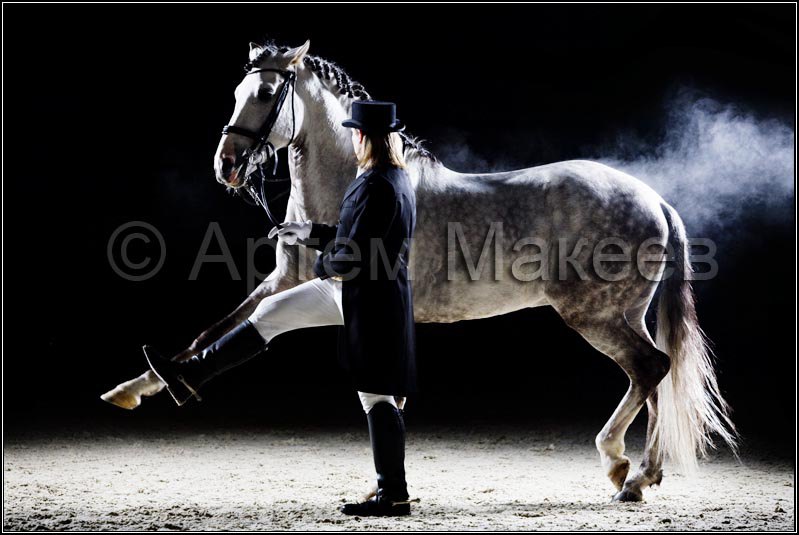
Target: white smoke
[[716, 164]]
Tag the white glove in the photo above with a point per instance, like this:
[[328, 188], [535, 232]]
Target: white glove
[[290, 232]]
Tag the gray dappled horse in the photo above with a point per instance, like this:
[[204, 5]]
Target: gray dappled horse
[[563, 214]]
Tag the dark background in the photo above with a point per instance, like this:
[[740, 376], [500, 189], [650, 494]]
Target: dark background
[[113, 113]]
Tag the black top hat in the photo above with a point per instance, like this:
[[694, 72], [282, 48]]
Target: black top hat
[[374, 116]]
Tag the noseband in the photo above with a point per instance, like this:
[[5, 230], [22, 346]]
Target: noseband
[[261, 151]]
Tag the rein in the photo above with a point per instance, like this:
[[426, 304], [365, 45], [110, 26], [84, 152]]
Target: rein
[[262, 153]]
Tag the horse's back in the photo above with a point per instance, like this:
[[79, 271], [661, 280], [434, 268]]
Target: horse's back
[[556, 204], [543, 200], [593, 198]]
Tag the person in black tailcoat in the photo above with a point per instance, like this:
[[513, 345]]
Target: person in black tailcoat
[[362, 284], [368, 251]]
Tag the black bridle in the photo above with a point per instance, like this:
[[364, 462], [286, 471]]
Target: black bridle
[[262, 152]]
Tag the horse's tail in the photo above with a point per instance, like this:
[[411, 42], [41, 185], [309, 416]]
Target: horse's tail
[[690, 406]]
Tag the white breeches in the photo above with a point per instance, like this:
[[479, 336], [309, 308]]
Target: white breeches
[[314, 303], [370, 400]]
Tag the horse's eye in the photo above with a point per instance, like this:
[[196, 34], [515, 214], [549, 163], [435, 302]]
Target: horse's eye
[[265, 94]]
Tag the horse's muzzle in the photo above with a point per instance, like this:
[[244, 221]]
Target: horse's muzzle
[[227, 167], [235, 178]]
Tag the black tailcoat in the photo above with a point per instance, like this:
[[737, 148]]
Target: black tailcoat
[[369, 249]]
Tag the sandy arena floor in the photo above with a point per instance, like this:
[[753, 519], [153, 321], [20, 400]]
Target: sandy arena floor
[[296, 478]]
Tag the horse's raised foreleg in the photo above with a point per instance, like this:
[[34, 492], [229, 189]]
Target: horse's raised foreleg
[[286, 275], [247, 307], [128, 394]]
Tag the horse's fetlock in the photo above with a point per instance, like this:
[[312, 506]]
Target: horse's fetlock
[[609, 444], [656, 478]]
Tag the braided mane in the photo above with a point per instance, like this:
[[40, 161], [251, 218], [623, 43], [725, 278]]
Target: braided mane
[[338, 81]]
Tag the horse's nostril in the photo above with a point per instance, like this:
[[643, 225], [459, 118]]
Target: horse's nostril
[[227, 166]]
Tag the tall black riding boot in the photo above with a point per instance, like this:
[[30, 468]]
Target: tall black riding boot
[[184, 379], [387, 433]]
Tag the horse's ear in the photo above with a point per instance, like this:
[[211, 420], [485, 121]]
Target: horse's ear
[[255, 49], [297, 54]]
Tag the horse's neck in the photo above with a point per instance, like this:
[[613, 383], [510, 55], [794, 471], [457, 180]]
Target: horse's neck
[[322, 162], [321, 159]]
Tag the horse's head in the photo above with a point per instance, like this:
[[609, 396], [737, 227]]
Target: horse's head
[[269, 71]]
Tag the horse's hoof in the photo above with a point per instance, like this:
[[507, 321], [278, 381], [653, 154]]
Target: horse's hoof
[[122, 398], [629, 495], [128, 395]]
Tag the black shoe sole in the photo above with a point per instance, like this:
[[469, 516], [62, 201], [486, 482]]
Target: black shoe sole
[[403, 509]]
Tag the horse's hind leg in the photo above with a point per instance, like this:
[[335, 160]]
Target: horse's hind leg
[[645, 365], [650, 471]]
